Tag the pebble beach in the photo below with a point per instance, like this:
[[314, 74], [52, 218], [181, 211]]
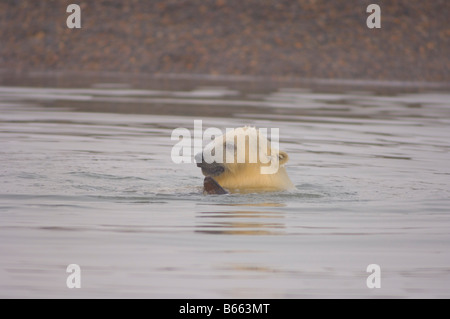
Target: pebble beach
[[272, 39]]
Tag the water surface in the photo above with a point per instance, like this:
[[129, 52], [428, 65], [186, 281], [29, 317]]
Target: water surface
[[86, 177]]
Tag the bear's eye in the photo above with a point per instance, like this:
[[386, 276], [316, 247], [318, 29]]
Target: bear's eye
[[230, 146]]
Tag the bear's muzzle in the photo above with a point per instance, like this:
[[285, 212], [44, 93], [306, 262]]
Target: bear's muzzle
[[209, 169]]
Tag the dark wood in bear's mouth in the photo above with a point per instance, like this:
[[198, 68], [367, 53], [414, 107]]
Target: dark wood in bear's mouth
[[210, 186]]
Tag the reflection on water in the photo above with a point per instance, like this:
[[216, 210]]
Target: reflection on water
[[86, 177], [241, 223]]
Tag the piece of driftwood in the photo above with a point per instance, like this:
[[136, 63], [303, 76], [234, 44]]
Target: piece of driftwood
[[210, 186]]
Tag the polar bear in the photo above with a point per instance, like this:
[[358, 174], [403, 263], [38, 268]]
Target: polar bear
[[243, 161]]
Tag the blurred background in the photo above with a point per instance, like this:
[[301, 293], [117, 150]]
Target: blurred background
[[283, 38]]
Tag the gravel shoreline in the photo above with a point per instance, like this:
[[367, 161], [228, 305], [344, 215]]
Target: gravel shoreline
[[303, 39]]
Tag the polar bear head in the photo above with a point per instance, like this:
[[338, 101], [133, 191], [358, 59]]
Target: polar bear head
[[244, 160]]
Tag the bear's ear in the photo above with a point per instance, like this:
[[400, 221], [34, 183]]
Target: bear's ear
[[282, 157]]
